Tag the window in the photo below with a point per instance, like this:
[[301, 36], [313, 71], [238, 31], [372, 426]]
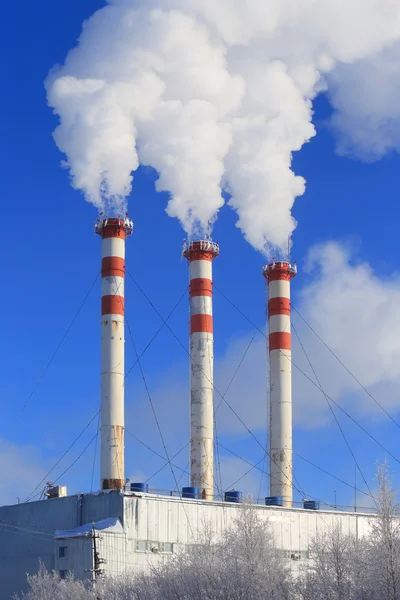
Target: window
[[141, 546], [63, 574], [154, 546], [149, 546], [295, 554], [62, 551]]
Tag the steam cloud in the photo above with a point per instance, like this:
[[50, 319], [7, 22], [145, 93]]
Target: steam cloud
[[217, 94]]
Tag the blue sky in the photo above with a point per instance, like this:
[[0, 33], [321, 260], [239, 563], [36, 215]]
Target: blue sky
[[51, 258]]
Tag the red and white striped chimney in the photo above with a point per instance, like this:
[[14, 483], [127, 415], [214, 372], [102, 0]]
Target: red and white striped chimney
[[279, 276], [200, 256], [113, 233]]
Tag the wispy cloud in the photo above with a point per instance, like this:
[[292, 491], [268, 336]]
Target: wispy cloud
[[23, 467]]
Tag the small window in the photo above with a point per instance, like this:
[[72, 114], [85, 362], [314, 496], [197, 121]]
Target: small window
[[63, 574], [141, 546], [295, 555], [167, 547], [62, 552], [154, 546]]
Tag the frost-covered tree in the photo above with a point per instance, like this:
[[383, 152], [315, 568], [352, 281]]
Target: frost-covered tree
[[384, 541], [49, 586], [250, 560], [345, 568], [332, 573]]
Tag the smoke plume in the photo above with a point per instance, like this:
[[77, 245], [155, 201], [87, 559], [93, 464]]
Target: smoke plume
[[217, 95]]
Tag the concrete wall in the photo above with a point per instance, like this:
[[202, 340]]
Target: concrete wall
[[174, 523], [27, 532], [77, 557]]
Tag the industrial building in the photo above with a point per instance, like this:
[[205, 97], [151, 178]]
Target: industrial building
[[119, 529], [136, 530]]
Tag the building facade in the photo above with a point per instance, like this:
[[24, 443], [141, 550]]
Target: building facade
[[135, 531]]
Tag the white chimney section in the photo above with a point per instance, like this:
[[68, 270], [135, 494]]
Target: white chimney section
[[200, 255], [279, 276], [113, 233]]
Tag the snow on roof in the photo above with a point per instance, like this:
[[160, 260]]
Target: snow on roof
[[109, 525]]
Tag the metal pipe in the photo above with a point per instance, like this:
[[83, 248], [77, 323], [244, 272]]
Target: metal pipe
[[113, 233], [200, 255], [279, 275]]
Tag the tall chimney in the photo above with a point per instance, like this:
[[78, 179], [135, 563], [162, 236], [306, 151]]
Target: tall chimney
[[279, 276], [113, 233], [200, 256]]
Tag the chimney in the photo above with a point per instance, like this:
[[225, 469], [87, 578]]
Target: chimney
[[279, 275], [113, 233], [200, 255]]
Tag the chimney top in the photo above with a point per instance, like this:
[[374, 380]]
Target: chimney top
[[279, 270], [114, 227], [202, 249]]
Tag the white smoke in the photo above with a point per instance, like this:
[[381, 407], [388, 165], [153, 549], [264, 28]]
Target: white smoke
[[369, 128], [217, 94]]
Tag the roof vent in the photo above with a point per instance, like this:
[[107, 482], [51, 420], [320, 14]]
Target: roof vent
[[58, 491]]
